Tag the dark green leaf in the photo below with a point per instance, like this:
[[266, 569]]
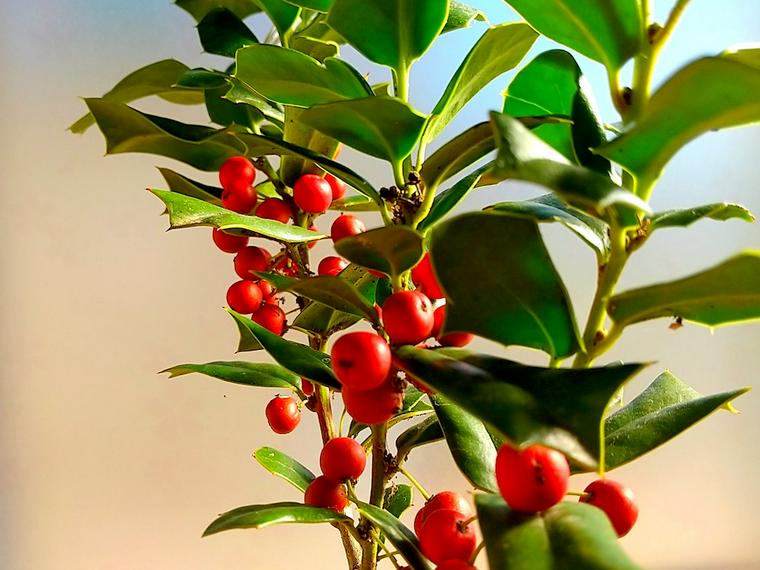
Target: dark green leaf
[[284, 466], [392, 32], [223, 33], [662, 411], [549, 208], [709, 94], [461, 16], [293, 78], [398, 499], [469, 442], [524, 156], [526, 299], [608, 31], [246, 373], [391, 250], [317, 5], [395, 531], [183, 185], [155, 79], [282, 14], [569, 96], [682, 218], [363, 124], [241, 93], [569, 536], [451, 197], [457, 154], [298, 358], [201, 78], [354, 204], [185, 212], [427, 431], [558, 407], [498, 50], [199, 8], [224, 112], [724, 294], [318, 49], [261, 516]]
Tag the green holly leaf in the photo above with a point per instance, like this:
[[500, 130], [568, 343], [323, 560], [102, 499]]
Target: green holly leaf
[[398, 534], [223, 33], [724, 294], [283, 16], [446, 201], [470, 444], [391, 249], [681, 218], [187, 212], [527, 302], [498, 50], [184, 185], [199, 8], [567, 536], [285, 467], [709, 94], [246, 373], [261, 516], [569, 96], [608, 31], [290, 77], [398, 499], [427, 431], [318, 49], [661, 412], [316, 5], [354, 204], [461, 16], [159, 78]]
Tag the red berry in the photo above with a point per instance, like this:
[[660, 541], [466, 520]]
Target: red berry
[[326, 493], [286, 266], [444, 537], [342, 458], [337, 186], [424, 277], [532, 479], [237, 173], [439, 315], [331, 265], [241, 200], [307, 387], [407, 317], [312, 194], [244, 297], [228, 243], [283, 414], [346, 225], [271, 317], [361, 360], [616, 500], [373, 406], [267, 290], [249, 259], [274, 209], [273, 300], [443, 501], [455, 565]]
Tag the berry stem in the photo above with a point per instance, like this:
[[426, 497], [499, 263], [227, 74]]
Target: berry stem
[[413, 481], [577, 494], [476, 553]]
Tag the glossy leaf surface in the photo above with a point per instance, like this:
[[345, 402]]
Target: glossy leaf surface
[[285, 467], [450, 198], [183, 185], [261, 516], [391, 250], [427, 431], [282, 14], [318, 5], [199, 8], [461, 16], [223, 33], [238, 372], [398, 535], [720, 211], [398, 499]]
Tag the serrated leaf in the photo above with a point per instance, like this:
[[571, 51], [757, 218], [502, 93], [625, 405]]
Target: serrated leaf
[[282, 14], [247, 373], [183, 185], [666, 408], [261, 516], [427, 431], [223, 33], [285, 467], [561, 408], [461, 16], [608, 31], [724, 294], [567, 536], [446, 201], [199, 8], [298, 358], [470, 444], [391, 249], [681, 218], [398, 498], [158, 78], [709, 94], [398, 535], [527, 302], [290, 77], [186, 212], [498, 50]]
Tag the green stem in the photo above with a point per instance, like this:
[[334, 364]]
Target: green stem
[[413, 481], [675, 15], [377, 491]]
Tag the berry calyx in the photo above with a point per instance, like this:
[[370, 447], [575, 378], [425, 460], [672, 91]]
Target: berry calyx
[[373, 406], [342, 458], [275, 209], [228, 243], [237, 173], [407, 317], [616, 500], [445, 500], [424, 277], [271, 317], [312, 194], [283, 414], [244, 296], [337, 186], [241, 200], [326, 493], [331, 265], [361, 360], [345, 226], [533, 479], [444, 536], [250, 259]]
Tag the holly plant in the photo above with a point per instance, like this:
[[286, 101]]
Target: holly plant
[[373, 342]]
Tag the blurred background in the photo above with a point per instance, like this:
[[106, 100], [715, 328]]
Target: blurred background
[[106, 466]]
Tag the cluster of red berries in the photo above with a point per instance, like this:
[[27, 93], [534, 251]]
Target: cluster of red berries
[[342, 459], [444, 528], [534, 479]]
